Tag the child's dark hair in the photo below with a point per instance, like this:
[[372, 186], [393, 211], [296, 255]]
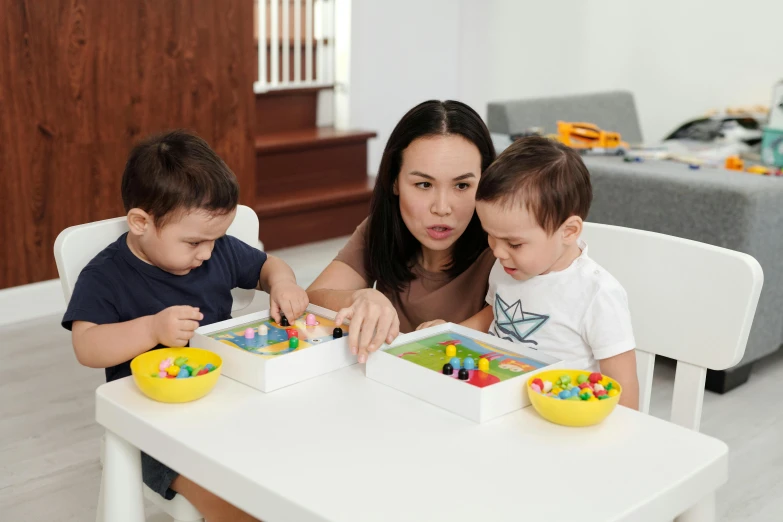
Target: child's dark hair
[[547, 177], [177, 171], [391, 250]]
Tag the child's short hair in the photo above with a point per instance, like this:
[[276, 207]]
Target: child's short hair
[[547, 177], [177, 171]]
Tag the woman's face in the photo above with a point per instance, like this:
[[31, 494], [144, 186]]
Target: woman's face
[[437, 189]]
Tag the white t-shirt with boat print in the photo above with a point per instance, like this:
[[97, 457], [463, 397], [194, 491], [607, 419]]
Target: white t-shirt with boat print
[[579, 314]]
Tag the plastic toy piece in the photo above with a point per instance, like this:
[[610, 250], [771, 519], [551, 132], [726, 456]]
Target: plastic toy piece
[[588, 137]]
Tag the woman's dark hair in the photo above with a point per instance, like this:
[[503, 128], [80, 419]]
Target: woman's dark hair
[[391, 251]]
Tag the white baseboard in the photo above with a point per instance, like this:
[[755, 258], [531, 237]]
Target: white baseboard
[[26, 302]]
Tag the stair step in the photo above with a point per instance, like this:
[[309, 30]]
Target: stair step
[[286, 110], [313, 215], [315, 159], [309, 138]]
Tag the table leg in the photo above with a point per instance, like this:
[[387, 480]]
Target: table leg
[[121, 498], [703, 511]]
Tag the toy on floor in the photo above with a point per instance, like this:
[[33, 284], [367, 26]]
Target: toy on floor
[[179, 368]]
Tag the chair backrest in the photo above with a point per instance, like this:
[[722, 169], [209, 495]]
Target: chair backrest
[[689, 301], [77, 245]]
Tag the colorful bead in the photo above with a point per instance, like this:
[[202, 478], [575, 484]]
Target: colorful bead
[[536, 388], [202, 371], [180, 361], [613, 392], [162, 375], [183, 373], [547, 386], [564, 394], [173, 370], [556, 390], [209, 367], [596, 377], [582, 378], [598, 387]]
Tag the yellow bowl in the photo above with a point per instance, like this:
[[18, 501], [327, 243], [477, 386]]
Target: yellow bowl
[[175, 390], [571, 413]]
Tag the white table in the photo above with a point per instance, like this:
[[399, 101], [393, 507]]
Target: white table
[[342, 447]]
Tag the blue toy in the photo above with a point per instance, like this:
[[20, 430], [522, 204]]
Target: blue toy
[[469, 363], [456, 363]]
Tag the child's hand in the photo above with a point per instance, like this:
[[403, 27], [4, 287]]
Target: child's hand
[[436, 322], [175, 325], [289, 298]]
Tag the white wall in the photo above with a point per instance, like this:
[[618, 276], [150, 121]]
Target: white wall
[[679, 58], [402, 52]]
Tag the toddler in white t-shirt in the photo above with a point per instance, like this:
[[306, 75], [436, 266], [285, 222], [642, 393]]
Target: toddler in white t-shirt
[[544, 290]]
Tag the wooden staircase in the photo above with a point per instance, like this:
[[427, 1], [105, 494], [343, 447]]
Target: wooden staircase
[[311, 182]]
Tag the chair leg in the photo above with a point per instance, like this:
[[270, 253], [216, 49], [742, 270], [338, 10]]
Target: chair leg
[[703, 511]]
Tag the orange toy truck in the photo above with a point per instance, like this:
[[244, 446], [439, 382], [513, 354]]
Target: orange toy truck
[[586, 137]]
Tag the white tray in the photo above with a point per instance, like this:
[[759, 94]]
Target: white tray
[[476, 403], [271, 372]]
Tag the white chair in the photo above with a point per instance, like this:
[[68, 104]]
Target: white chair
[[689, 301], [77, 245]]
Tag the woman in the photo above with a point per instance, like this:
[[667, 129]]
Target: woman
[[422, 245]]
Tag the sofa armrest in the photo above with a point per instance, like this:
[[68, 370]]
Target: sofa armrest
[[734, 210]]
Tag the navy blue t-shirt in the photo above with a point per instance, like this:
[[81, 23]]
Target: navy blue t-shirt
[[116, 286]]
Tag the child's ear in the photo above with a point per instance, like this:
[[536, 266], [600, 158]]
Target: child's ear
[[138, 221], [572, 229]]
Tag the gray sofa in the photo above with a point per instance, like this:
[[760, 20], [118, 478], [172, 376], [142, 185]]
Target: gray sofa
[[734, 210]]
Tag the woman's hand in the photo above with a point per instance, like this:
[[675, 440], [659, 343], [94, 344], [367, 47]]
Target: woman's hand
[[436, 322], [373, 322]]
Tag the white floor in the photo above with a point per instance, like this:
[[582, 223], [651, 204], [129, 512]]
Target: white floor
[[49, 441]]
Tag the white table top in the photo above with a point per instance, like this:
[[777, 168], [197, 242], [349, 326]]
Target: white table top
[[342, 447]]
